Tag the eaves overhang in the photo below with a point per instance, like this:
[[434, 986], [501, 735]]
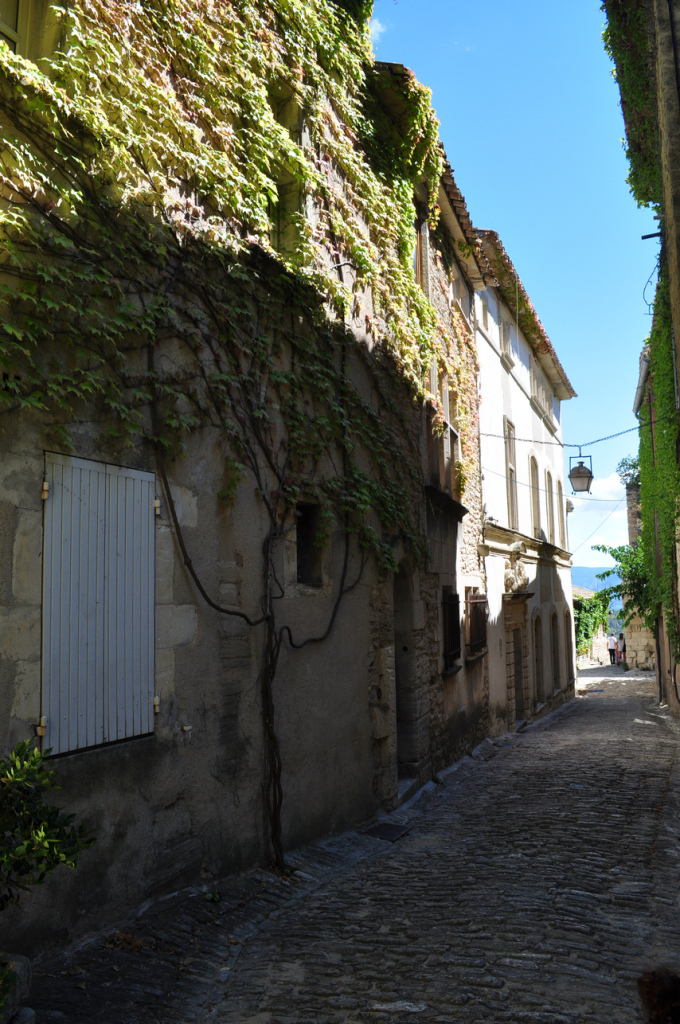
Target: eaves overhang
[[517, 300]]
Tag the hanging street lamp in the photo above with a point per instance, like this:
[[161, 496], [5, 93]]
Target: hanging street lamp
[[580, 476]]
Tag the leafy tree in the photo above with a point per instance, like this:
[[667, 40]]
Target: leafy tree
[[629, 471], [35, 836], [589, 614], [634, 588]]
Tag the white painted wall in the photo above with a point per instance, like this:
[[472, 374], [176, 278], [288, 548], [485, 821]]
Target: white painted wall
[[506, 392]]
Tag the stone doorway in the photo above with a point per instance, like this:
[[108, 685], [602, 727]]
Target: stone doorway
[[519, 673], [517, 657], [405, 676]]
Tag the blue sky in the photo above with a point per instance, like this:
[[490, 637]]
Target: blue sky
[[531, 123]]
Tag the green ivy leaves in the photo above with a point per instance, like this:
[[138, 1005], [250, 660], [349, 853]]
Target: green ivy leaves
[[35, 836]]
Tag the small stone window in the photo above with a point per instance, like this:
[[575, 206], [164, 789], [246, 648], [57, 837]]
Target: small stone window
[[9, 23], [451, 624], [309, 553], [476, 613]]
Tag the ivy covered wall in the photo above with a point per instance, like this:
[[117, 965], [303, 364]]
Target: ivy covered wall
[[659, 472], [638, 38], [144, 164], [627, 40], [208, 226]]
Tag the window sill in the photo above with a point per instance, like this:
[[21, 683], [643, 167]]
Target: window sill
[[448, 673], [470, 659], [507, 361]]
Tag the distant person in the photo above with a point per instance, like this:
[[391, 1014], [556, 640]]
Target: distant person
[[611, 647], [621, 648]]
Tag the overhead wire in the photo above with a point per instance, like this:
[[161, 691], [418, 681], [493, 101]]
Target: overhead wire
[[597, 527], [543, 490], [585, 444]]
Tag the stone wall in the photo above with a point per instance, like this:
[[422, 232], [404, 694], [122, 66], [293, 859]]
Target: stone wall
[[640, 646], [598, 650], [633, 511], [184, 802]]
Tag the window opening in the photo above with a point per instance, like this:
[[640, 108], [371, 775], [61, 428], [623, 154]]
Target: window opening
[[98, 603], [538, 659], [535, 498], [309, 554], [451, 616], [518, 658], [418, 253], [9, 23], [284, 209], [506, 340], [555, 636], [475, 621], [551, 507], [568, 645], [560, 512], [511, 473]]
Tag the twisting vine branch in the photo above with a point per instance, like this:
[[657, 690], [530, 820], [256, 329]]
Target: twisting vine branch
[[139, 175]]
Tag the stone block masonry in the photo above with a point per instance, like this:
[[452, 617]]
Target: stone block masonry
[[535, 884]]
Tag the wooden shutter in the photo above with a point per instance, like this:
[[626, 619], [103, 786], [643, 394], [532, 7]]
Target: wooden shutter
[[98, 603]]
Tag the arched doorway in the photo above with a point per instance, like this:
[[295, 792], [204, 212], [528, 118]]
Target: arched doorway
[[404, 674], [538, 660], [555, 651], [568, 647]]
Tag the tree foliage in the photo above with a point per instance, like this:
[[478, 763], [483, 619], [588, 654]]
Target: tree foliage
[[590, 613], [634, 589], [35, 836], [629, 471]]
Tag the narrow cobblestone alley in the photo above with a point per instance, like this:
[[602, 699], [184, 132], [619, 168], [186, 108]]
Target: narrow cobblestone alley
[[534, 885]]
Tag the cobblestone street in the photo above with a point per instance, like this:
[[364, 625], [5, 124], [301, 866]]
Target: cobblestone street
[[535, 883]]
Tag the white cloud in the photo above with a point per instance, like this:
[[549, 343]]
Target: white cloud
[[377, 28], [590, 517]]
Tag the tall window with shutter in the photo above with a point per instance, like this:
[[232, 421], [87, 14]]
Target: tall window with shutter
[[560, 516], [551, 507], [98, 603], [511, 473], [535, 498]]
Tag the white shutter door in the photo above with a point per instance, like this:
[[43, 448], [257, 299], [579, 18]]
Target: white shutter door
[[130, 597], [98, 599]]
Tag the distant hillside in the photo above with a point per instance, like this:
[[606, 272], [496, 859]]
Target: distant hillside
[[586, 576]]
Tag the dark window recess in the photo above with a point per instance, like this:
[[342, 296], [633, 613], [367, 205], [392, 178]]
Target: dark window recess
[[451, 608], [308, 552], [475, 620]]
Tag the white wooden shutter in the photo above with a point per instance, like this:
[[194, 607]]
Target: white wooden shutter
[[98, 603]]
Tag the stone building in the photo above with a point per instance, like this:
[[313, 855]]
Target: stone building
[[525, 546], [642, 39], [279, 626]]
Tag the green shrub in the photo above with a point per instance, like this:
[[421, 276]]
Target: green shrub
[[35, 836]]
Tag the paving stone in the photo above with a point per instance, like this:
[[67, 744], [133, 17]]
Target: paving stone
[[533, 887]]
